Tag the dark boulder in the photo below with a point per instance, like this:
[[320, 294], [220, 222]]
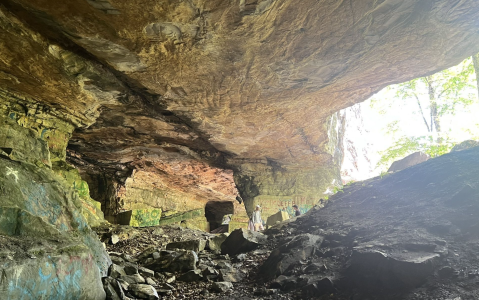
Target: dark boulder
[[242, 240]]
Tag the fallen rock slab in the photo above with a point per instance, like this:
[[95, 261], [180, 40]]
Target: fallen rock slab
[[144, 291], [301, 247], [241, 241], [408, 161]]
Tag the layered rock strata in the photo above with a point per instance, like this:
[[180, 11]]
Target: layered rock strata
[[242, 85]]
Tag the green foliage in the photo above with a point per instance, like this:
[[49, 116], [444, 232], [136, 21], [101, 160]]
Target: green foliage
[[408, 145], [337, 189], [435, 96]]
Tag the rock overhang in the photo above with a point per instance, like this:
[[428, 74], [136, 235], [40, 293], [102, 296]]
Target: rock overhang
[[247, 85]]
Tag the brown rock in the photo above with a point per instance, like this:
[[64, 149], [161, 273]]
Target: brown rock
[[409, 161]]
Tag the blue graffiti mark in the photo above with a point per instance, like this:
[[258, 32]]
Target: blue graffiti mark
[[59, 285], [39, 204], [40, 273], [43, 132]]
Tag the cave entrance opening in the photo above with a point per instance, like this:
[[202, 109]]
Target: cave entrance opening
[[218, 214], [411, 122]]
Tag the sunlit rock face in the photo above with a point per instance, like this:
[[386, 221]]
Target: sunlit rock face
[[248, 86]]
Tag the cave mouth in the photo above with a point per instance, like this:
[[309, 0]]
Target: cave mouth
[[215, 212], [418, 119]]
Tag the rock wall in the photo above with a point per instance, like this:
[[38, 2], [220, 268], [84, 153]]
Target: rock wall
[[275, 187], [176, 91], [42, 212]]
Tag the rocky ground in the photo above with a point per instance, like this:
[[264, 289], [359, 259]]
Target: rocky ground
[[409, 235]]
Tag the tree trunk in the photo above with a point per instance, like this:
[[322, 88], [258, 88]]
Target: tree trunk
[[422, 113], [475, 60], [435, 121]]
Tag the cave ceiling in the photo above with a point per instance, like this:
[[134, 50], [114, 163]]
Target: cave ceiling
[[246, 80]]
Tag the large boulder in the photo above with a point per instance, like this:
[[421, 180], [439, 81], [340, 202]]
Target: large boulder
[[241, 241], [301, 247], [58, 268], [409, 161], [276, 218], [465, 145]]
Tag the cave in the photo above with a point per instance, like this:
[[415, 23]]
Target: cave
[[215, 211], [176, 113]]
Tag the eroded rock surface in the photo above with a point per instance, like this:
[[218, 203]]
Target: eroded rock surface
[[207, 87], [408, 235]]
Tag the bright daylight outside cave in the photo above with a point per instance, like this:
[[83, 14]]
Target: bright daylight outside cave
[[239, 149]]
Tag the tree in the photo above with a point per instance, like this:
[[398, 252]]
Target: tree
[[435, 96], [475, 60]]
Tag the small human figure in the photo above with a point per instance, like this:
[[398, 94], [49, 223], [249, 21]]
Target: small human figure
[[257, 221], [297, 212]]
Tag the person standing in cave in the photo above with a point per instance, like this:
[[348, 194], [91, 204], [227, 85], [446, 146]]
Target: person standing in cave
[[297, 212], [256, 218]]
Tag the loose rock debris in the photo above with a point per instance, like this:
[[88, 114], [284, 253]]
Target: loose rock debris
[[411, 235]]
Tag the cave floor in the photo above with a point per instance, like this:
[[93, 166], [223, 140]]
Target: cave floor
[[410, 235]]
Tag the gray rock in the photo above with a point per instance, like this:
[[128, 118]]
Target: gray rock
[[150, 281], [265, 292], [174, 261], [465, 145], [322, 287], [221, 287], [128, 258], [158, 231], [131, 268], [285, 283], [223, 265], [170, 279], [114, 239], [167, 286], [242, 240], [160, 276], [144, 291], [393, 271], [191, 276], [194, 245], [116, 271], [445, 272], [214, 244], [145, 272], [123, 284], [111, 293], [408, 161], [241, 257], [147, 253], [164, 292], [209, 271], [232, 275], [299, 248], [133, 279], [117, 260]]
